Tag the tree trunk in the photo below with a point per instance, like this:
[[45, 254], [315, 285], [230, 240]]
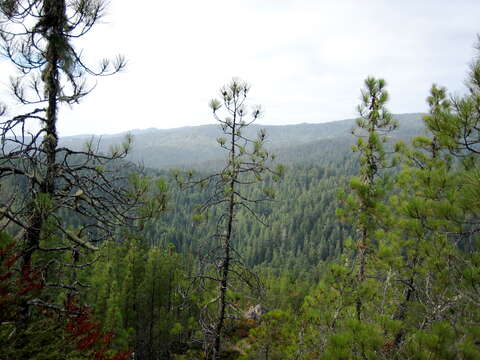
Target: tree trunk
[[53, 21], [226, 248]]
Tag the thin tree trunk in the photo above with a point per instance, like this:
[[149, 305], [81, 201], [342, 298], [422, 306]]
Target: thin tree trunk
[[226, 247], [361, 271], [152, 316], [401, 312]]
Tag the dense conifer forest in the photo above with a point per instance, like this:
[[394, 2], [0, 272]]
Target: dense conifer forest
[[355, 239]]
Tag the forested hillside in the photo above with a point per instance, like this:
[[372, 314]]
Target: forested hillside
[[302, 228], [195, 147]]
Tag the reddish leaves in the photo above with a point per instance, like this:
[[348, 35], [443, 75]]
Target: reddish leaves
[[8, 262], [17, 287], [6, 276], [88, 335], [6, 249], [29, 281]]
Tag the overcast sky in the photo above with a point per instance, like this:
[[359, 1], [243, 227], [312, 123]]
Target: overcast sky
[[305, 60]]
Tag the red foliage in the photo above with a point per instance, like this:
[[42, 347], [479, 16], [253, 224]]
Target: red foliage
[[87, 333], [17, 287], [6, 249], [8, 262], [6, 276]]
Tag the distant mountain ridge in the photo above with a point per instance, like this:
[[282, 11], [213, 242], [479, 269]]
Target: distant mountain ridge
[[196, 146]]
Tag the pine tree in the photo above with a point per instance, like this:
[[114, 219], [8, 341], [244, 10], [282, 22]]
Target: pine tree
[[364, 208], [246, 164], [435, 245], [53, 182]]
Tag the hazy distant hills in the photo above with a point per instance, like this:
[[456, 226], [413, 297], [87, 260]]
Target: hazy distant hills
[[196, 146], [304, 229]]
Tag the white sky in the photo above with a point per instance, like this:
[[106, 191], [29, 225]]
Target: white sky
[[306, 60]]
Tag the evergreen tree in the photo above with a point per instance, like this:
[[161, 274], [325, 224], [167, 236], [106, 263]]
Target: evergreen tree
[[364, 207], [436, 245], [54, 182], [246, 164]]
